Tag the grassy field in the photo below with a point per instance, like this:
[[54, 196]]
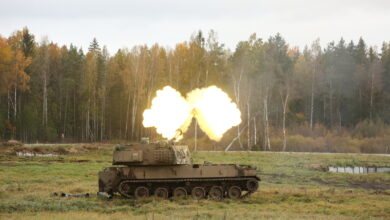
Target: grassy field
[[293, 186]]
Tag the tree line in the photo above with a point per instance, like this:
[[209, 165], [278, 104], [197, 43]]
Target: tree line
[[50, 92]]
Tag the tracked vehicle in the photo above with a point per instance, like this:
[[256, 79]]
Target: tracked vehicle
[[165, 170]]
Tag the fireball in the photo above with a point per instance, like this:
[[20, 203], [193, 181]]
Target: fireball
[[171, 113]]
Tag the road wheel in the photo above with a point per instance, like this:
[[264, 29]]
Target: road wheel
[[252, 185], [198, 193], [179, 192], [234, 192], [141, 192], [161, 192], [216, 193]]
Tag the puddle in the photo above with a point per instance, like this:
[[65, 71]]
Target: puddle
[[27, 154], [359, 170]]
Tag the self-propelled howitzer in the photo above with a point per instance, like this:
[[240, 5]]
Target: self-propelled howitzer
[[165, 170]]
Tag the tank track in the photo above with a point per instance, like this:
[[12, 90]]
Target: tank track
[[216, 188]]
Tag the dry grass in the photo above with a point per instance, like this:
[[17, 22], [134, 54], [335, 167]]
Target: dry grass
[[292, 188]]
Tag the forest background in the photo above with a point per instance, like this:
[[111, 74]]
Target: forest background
[[331, 99]]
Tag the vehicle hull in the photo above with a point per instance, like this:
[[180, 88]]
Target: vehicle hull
[[126, 180]]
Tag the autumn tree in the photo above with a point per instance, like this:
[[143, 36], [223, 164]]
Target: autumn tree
[[13, 78], [51, 92]]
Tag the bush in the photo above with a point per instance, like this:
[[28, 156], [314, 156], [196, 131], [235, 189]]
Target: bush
[[369, 129], [318, 130], [343, 145], [256, 147], [376, 145], [365, 137], [299, 143], [276, 143]]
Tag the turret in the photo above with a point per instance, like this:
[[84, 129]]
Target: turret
[[160, 153]]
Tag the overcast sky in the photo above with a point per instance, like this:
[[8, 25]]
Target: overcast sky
[[120, 23]]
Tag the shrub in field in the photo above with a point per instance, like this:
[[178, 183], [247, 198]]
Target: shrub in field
[[334, 144], [276, 144], [297, 143], [303, 129], [256, 147], [345, 145], [376, 145], [300, 143], [368, 129], [318, 130], [366, 137]]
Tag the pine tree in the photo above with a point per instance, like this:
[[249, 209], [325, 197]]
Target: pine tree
[[28, 43], [94, 46]]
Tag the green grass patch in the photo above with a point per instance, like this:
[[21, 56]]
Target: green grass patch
[[292, 187]]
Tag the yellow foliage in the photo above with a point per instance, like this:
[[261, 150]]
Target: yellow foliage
[[12, 66], [299, 116]]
